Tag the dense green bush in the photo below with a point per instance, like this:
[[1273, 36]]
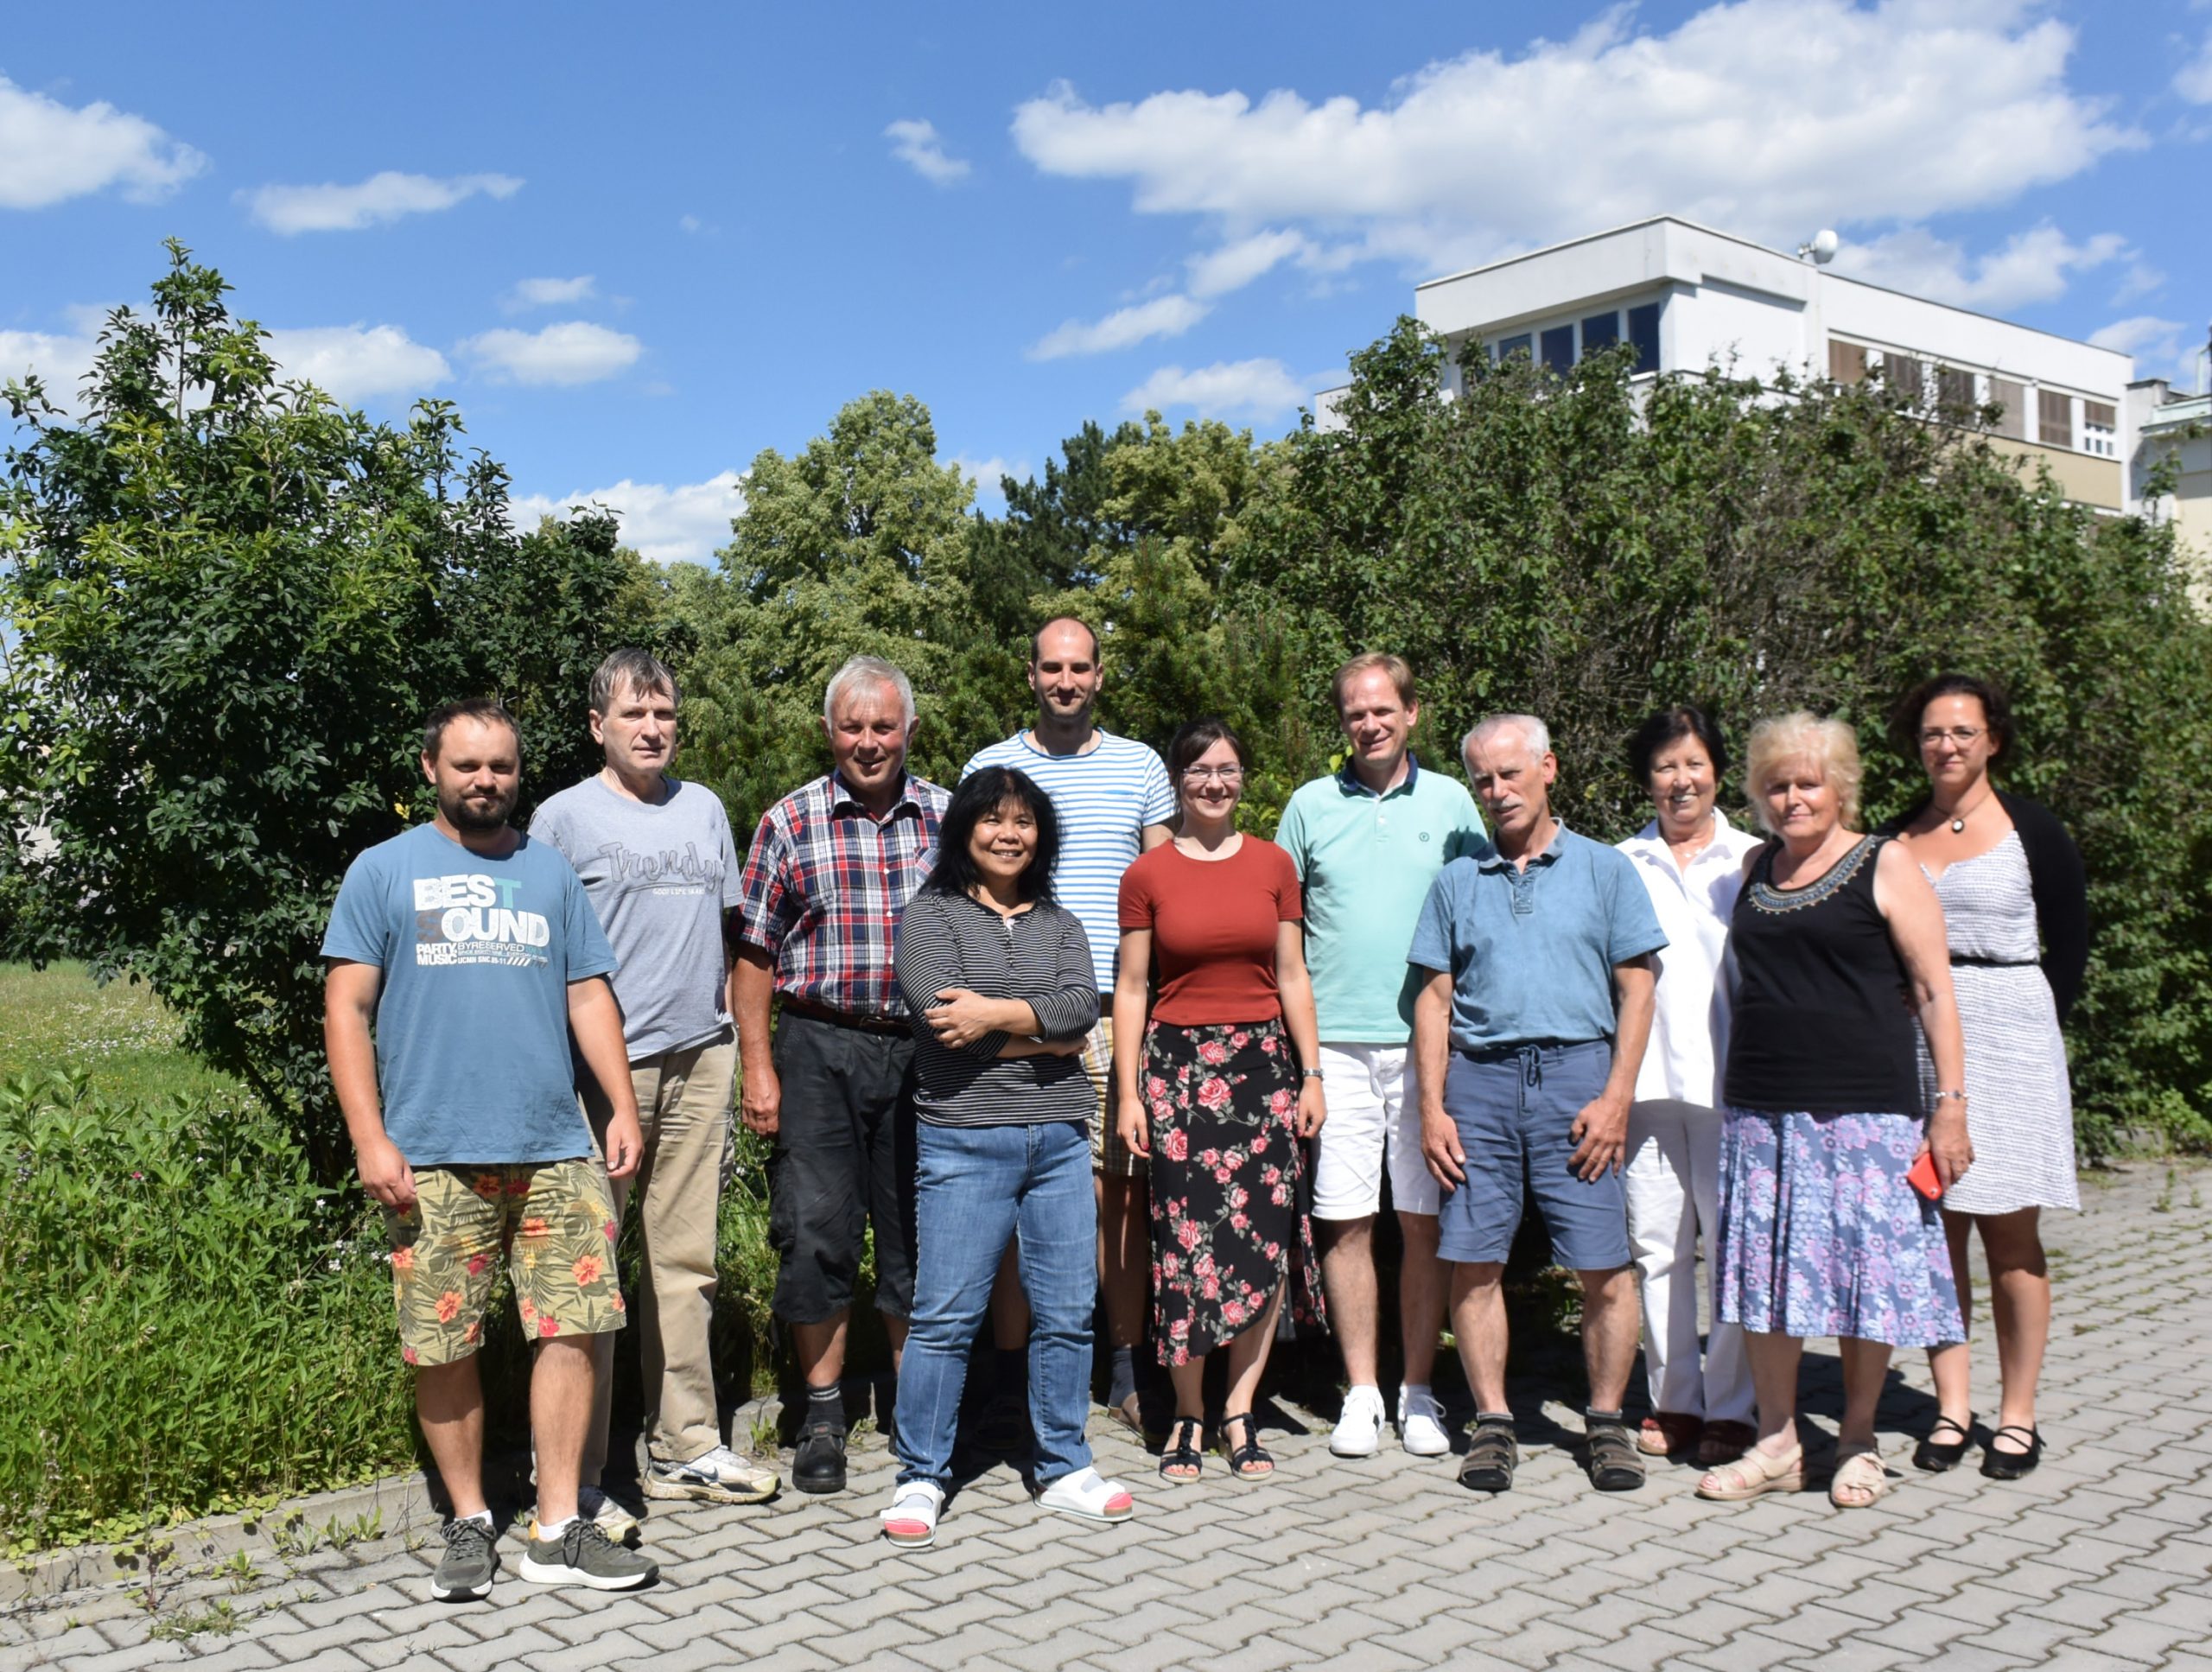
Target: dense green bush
[[188, 1318]]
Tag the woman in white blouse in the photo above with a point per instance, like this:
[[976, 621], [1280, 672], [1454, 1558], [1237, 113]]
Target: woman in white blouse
[[1691, 859]]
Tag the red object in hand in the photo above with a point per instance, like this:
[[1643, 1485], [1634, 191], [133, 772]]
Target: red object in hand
[[1922, 1176]]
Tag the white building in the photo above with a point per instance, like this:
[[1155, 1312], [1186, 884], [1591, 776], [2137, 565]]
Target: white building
[[2174, 427], [1686, 297]]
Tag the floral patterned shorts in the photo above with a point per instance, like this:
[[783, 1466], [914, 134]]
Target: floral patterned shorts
[[553, 1223]]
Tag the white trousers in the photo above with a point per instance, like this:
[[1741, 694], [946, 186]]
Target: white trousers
[[1674, 1191]]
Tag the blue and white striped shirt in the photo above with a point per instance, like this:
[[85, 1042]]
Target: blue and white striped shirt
[[1105, 796]]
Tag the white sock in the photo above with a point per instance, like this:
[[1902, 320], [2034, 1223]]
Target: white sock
[[1413, 1388], [482, 1517], [548, 1530]]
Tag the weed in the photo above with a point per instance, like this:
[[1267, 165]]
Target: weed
[[761, 1434], [240, 1571], [2165, 1202], [218, 1618]]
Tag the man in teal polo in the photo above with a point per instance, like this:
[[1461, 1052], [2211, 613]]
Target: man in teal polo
[[1367, 842]]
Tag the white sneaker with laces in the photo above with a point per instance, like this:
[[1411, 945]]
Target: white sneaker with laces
[[720, 1475], [1421, 1423], [1358, 1431]]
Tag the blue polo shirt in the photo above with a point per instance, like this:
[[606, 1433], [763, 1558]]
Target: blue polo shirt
[[1531, 953], [1365, 862]]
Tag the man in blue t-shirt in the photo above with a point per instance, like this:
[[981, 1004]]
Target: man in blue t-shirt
[[471, 953], [1535, 1001]]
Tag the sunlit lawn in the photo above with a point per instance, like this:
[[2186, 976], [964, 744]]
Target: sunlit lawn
[[58, 1018]]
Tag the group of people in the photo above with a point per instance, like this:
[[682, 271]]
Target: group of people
[[1073, 1047]]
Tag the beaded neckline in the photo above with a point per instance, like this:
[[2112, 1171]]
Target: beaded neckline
[[1768, 897]]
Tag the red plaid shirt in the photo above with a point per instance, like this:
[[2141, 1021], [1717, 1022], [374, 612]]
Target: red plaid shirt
[[824, 884]]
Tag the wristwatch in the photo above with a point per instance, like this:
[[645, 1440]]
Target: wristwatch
[[1309, 1073]]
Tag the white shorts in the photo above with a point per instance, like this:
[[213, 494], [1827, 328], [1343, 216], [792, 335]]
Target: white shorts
[[1373, 1114]]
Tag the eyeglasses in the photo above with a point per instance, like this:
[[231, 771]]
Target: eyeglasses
[[1208, 774], [1961, 736]]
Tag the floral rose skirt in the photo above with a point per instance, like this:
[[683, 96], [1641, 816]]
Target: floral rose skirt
[[1227, 1223]]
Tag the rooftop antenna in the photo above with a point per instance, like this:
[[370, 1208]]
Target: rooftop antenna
[[1821, 250]]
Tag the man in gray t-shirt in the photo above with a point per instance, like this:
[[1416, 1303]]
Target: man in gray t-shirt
[[658, 862]]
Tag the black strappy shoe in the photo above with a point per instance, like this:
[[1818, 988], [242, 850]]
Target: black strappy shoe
[[1248, 1461], [2010, 1466], [1937, 1455], [1182, 1452]]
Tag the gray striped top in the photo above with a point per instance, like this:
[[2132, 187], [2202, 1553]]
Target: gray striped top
[[1040, 956]]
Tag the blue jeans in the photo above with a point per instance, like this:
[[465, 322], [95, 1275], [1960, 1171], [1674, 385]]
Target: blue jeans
[[975, 1186]]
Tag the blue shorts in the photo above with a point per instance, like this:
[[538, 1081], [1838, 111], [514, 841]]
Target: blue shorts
[[1513, 1114]]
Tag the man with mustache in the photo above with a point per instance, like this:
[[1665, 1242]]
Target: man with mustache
[[472, 951]]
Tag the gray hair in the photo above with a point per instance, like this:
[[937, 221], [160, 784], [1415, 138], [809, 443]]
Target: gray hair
[[866, 670], [1533, 732], [631, 668]]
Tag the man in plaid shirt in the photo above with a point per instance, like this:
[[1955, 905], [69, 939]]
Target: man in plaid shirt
[[832, 865]]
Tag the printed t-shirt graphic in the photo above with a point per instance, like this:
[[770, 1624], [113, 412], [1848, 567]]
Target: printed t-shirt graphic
[[472, 1023]]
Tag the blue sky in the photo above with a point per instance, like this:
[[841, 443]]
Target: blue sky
[[638, 246]]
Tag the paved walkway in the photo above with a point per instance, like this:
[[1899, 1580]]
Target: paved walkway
[[2100, 1559]]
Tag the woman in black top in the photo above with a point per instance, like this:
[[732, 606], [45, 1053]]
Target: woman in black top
[[2016, 914], [999, 981], [1821, 1232]]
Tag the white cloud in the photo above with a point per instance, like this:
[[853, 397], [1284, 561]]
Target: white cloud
[[549, 293], [985, 474], [380, 197], [1164, 316], [2162, 348], [359, 362], [688, 224], [1236, 263], [2193, 81], [1253, 389], [921, 148], [2031, 266], [60, 360], [572, 351], [1770, 118], [50, 152], [680, 524]]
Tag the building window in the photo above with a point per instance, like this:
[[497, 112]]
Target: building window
[[1644, 335], [2100, 429], [2012, 402], [2054, 418], [1954, 388], [1600, 331], [1847, 362], [1509, 346], [1904, 372], [1558, 349]]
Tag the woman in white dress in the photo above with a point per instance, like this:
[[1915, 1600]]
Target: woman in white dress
[[1691, 860], [2016, 914]]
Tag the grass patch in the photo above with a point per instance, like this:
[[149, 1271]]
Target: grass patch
[[59, 1020]]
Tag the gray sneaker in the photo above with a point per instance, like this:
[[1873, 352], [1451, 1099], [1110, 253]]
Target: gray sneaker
[[472, 1557], [583, 1555]]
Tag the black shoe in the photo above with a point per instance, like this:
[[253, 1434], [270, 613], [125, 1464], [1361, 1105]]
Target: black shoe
[[1936, 1455], [1491, 1455], [818, 1466], [1003, 1428], [2010, 1466], [1614, 1464]]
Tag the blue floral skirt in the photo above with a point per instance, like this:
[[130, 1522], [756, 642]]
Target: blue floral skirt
[[1822, 1236]]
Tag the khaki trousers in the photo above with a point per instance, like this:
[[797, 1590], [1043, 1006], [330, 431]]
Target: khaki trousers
[[683, 1105]]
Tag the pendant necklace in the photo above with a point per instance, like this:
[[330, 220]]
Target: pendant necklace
[[1958, 827]]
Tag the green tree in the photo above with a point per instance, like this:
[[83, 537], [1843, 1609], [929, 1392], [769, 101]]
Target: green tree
[[233, 600]]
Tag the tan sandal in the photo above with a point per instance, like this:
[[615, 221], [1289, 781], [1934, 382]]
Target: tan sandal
[[1753, 1473], [1859, 1470]]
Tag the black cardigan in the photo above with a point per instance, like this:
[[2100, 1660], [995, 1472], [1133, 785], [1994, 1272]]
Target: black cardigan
[[2061, 888]]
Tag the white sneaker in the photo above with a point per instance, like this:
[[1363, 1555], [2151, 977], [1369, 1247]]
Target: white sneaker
[[717, 1477], [611, 1519], [1359, 1431], [1421, 1423]]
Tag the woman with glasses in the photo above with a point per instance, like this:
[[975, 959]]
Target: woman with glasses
[[1212, 980], [2016, 914]]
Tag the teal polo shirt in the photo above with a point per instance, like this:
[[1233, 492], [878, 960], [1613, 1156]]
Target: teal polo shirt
[[1364, 864], [1531, 953]]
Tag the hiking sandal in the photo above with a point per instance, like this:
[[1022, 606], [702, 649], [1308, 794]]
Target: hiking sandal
[[1182, 1452], [1248, 1461], [1610, 1449], [1492, 1455]]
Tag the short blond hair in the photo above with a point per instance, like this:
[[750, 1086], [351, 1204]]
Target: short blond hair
[[1830, 745], [1401, 676]]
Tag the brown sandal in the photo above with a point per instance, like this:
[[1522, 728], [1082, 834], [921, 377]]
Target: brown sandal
[[1667, 1434]]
